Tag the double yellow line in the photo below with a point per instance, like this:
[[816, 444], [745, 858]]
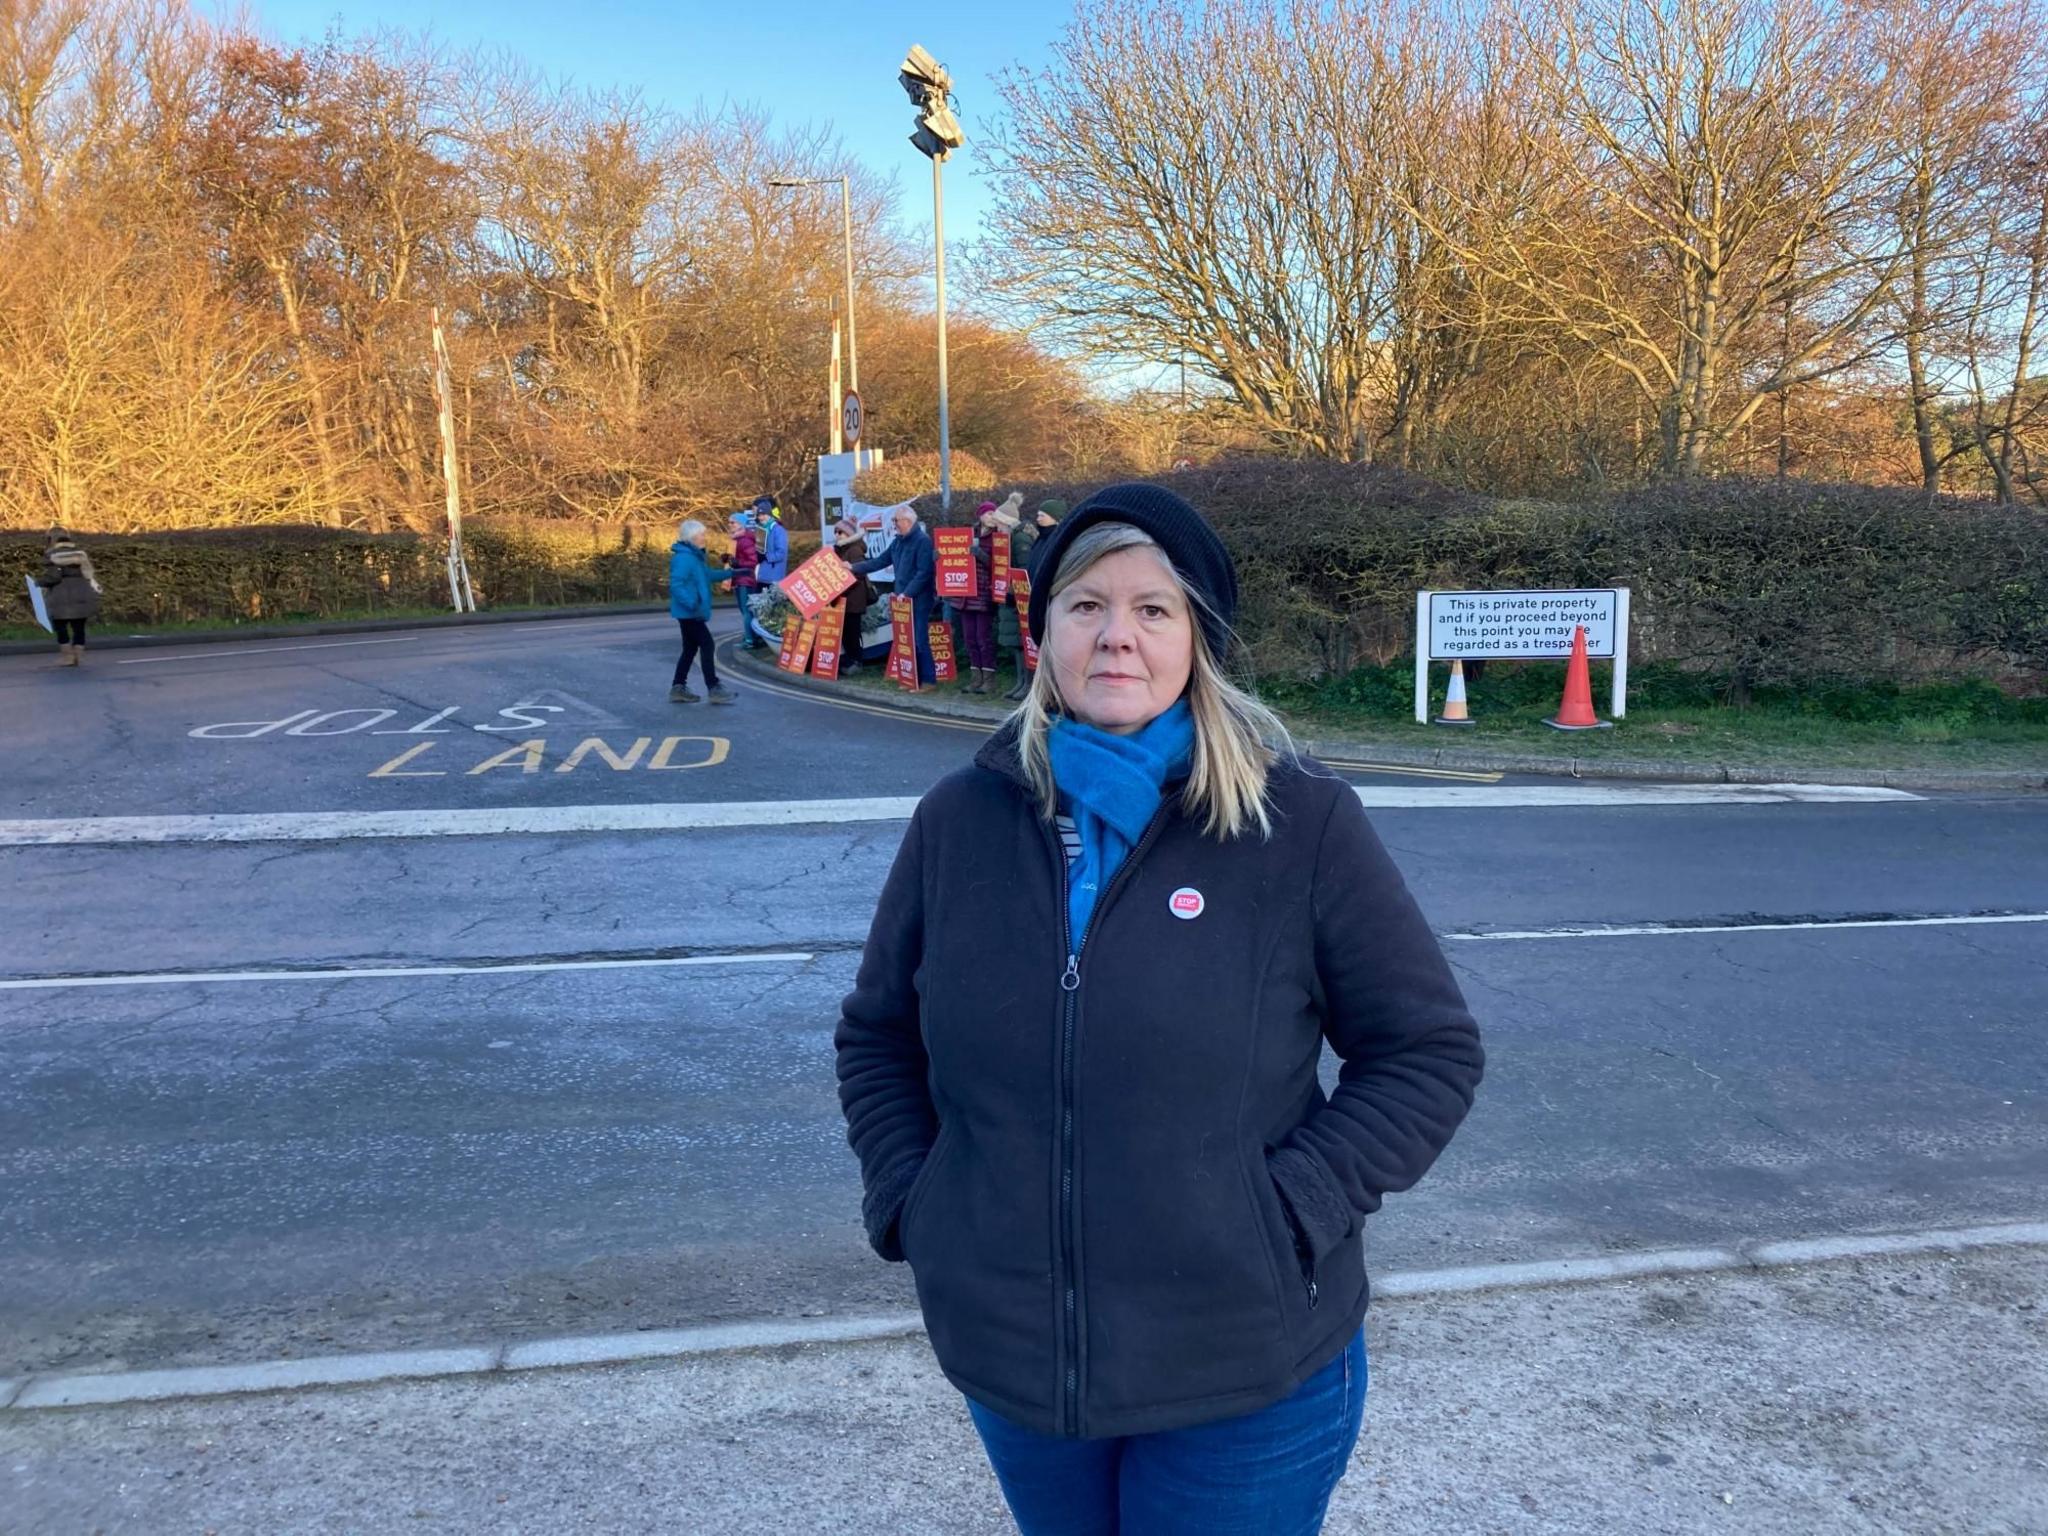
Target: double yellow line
[[984, 728]]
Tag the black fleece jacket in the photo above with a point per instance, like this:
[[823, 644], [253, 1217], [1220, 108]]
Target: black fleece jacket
[[1127, 1203]]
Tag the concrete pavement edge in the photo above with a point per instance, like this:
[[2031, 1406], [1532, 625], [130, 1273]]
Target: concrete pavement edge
[[34, 1393], [1393, 754]]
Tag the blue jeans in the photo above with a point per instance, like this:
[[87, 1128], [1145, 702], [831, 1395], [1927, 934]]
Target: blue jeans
[[740, 595], [1269, 1473]]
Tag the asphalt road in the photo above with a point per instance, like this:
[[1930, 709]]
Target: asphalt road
[[203, 1169]]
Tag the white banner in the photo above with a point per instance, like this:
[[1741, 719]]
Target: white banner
[[42, 609]]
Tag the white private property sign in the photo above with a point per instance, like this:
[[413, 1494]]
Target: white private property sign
[[1520, 626]]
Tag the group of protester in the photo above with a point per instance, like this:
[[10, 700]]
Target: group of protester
[[983, 626], [760, 559]]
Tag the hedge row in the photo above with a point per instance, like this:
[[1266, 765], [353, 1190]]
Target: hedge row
[[247, 575], [1764, 584]]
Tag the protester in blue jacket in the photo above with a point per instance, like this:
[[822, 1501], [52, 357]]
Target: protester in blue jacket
[[690, 575], [915, 566], [774, 542]]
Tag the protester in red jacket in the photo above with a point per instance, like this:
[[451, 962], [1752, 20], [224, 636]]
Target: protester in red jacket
[[746, 562]]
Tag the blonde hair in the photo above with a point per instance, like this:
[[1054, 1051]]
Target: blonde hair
[[1237, 739]]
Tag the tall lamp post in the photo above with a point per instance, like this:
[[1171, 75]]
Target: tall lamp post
[[846, 215], [938, 134]]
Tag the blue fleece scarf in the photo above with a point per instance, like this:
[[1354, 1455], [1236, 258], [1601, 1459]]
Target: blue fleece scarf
[[1111, 786]]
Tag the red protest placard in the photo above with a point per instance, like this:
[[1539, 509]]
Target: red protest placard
[[942, 652], [817, 581], [956, 563], [999, 566], [831, 634], [1020, 587], [1030, 652], [797, 639], [902, 652]]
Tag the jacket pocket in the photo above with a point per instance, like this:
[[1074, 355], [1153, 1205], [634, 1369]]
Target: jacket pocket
[[1290, 1247], [919, 1188]]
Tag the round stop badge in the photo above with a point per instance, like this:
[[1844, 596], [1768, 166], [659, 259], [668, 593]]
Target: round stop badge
[[1187, 903]]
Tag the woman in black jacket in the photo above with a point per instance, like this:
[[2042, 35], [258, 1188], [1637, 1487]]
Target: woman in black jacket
[[1132, 1213]]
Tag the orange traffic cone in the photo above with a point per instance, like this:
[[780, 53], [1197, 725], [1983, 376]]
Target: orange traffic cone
[[1575, 713], [1455, 712]]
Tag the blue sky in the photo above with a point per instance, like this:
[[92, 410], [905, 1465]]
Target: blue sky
[[804, 60]]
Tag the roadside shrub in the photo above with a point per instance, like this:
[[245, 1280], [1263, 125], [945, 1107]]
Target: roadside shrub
[[248, 575], [917, 474], [1756, 585]]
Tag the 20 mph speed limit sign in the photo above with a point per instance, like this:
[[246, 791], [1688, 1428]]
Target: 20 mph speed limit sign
[[850, 418]]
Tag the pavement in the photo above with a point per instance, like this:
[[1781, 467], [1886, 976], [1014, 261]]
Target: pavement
[[411, 1081], [1877, 1397]]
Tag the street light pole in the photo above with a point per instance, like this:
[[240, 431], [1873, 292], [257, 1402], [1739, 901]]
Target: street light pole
[[852, 346], [945, 423], [846, 216], [938, 134]]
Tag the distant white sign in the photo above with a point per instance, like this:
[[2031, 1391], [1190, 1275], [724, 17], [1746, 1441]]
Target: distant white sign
[[835, 478], [1520, 626]]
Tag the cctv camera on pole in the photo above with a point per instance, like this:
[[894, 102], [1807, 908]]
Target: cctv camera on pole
[[938, 134]]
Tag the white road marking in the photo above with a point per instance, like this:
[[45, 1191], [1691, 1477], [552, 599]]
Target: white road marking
[[1646, 930], [367, 973], [228, 653], [539, 820], [1520, 796], [225, 650], [110, 1388], [549, 820]]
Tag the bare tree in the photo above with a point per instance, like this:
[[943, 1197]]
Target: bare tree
[[1235, 210]]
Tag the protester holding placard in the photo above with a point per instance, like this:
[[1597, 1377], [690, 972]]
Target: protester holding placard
[[690, 576], [977, 609], [71, 594], [915, 569], [851, 545], [1132, 1212], [1009, 630]]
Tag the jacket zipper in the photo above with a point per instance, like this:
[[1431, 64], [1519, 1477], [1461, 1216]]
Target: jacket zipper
[[1070, 1024]]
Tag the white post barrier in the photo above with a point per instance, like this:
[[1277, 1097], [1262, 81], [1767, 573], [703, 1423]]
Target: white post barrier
[[1422, 658]]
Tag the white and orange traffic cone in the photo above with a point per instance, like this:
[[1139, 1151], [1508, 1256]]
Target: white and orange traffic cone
[[1455, 712], [1575, 712]]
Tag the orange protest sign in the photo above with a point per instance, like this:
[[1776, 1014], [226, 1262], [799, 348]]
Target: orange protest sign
[[797, 639], [956, 563], [817, 582], [902, 648], [831, 634], [942, 652], [999, 566]]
